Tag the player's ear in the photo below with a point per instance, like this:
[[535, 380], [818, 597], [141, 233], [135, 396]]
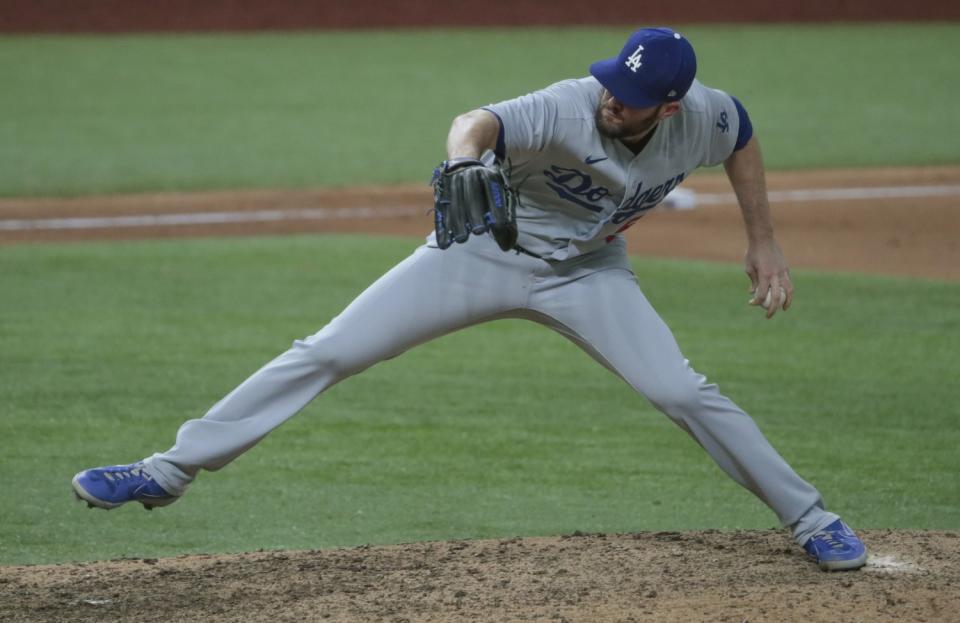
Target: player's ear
[[669, 109]]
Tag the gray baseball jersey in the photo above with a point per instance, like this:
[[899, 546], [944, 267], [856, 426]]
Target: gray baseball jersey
[[578, 192], [578, 189]]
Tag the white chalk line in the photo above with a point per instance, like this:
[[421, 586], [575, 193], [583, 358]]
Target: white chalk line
[[841, 194], [206, 218], [321, 214]]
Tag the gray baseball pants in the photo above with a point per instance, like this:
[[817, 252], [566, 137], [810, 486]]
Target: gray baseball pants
[[593, 300]]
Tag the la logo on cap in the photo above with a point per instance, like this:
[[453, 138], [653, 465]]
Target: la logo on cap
[[633, 61]]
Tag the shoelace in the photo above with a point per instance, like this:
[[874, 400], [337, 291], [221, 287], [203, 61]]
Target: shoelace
[[120, 474], [830, 540]]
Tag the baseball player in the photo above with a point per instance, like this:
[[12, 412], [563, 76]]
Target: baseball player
[[530, 207]]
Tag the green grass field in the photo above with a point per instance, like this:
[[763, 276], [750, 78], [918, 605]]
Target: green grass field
[[108, 347], [81, 115]]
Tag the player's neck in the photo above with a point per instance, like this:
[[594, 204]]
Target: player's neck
[[638, 142]]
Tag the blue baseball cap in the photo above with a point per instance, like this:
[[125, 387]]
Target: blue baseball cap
[[656, 65]]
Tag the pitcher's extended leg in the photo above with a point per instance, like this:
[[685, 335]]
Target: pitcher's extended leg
[[607, 315], [429, 294]]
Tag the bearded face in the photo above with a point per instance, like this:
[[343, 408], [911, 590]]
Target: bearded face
[[616, 120]]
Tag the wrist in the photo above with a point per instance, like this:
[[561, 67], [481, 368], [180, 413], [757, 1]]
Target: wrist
[[460, 162], [760, 234]]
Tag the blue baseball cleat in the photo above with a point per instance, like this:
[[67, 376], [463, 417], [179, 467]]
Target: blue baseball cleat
[[837, 548], [113, 486]]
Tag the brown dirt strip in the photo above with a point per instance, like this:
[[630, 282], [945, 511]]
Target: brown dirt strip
[[915, 237], [665, 577]]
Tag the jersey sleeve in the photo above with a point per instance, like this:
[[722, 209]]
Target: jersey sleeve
[[527, 124], [745, 133], [722, 127]]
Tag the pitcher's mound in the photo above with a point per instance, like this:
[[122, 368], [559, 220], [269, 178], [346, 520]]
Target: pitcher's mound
[[666, 576]]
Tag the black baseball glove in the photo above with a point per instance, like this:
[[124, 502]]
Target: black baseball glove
[[471, 197]]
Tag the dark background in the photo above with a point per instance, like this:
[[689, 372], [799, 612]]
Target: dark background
[[100, 16]]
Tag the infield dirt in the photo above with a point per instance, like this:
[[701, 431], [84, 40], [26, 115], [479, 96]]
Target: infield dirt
[[667, 576], [709, 576]]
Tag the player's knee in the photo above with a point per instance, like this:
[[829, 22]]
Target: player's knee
[[678, 400], [322, 357], [334, 355]]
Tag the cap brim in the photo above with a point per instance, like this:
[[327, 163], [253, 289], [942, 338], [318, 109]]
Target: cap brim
[[614, 78]]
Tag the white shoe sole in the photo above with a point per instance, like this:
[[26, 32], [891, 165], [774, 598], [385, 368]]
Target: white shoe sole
[[843, 565]]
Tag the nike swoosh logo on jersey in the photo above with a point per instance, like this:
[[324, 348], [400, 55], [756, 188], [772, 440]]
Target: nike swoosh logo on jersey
[[590, 160]]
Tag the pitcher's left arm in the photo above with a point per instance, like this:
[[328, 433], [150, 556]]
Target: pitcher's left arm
[[765, 263]]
